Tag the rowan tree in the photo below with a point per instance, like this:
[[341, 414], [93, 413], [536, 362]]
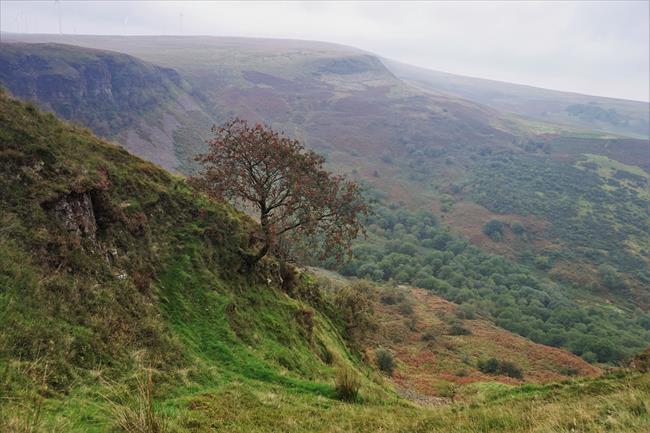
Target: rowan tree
[[287, 184]]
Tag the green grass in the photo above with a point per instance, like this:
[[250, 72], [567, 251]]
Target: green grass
[[172, 298], [81, 327]]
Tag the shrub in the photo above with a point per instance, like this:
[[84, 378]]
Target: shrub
[[610, 277], [497, 367], [466, 311], [385, 361], [569, 371], [590, 357], [355, 310], [406, 307], [457, 328], [510, 369], [517, 228], [347, 384], [392, 296], [429, 335], [494, 229], [489, 366]]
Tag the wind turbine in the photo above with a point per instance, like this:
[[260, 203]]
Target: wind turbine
[[57, 5]]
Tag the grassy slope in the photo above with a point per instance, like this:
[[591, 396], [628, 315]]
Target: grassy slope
[[434, 366], [225, 350], [433, 361], [172, 299]]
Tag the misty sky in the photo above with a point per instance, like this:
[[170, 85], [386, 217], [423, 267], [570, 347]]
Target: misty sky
[[599, 48]]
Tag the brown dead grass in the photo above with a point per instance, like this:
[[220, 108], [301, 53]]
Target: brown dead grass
[[468, 218], [433, 368]]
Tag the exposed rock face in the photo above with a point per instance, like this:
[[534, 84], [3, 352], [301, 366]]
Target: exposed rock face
[[136, 103], [101, 89], [75, 212]]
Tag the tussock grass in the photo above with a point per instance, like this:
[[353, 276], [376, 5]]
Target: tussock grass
[[347, 384], [133, 411]]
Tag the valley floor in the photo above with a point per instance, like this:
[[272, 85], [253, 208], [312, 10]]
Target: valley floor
[[613, 403]]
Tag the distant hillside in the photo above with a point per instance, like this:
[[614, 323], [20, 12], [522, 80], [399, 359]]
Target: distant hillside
[[617, 116], [414, 248], [116, 95], [341, 101]]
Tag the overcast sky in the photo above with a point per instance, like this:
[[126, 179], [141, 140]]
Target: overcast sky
[[599, 48]]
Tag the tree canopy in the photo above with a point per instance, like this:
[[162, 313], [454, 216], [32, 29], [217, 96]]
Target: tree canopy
[[287, 184]]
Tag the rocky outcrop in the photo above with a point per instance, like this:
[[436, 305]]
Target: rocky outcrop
[[75, 212]]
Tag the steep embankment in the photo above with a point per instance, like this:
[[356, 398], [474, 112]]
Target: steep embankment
[[118, 96], [109, 265]]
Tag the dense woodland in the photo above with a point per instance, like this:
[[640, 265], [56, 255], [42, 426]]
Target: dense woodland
[[414, 248], [600, 219]]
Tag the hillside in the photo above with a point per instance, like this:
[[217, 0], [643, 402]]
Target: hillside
[[123, 303], [616, 116], [110, 265], [438, 345], [341, 101], [565, 204], [118, 96], [416, 248]]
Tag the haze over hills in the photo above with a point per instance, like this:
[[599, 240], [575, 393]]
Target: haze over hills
[[617, 116], [306, 88], [567, 205], [425, 148]]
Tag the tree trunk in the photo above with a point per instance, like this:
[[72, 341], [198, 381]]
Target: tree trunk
[[252, 259]]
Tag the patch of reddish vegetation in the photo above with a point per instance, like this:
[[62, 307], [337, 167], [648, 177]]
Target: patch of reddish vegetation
[[431, 366], [468, 218], [257, 104]]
